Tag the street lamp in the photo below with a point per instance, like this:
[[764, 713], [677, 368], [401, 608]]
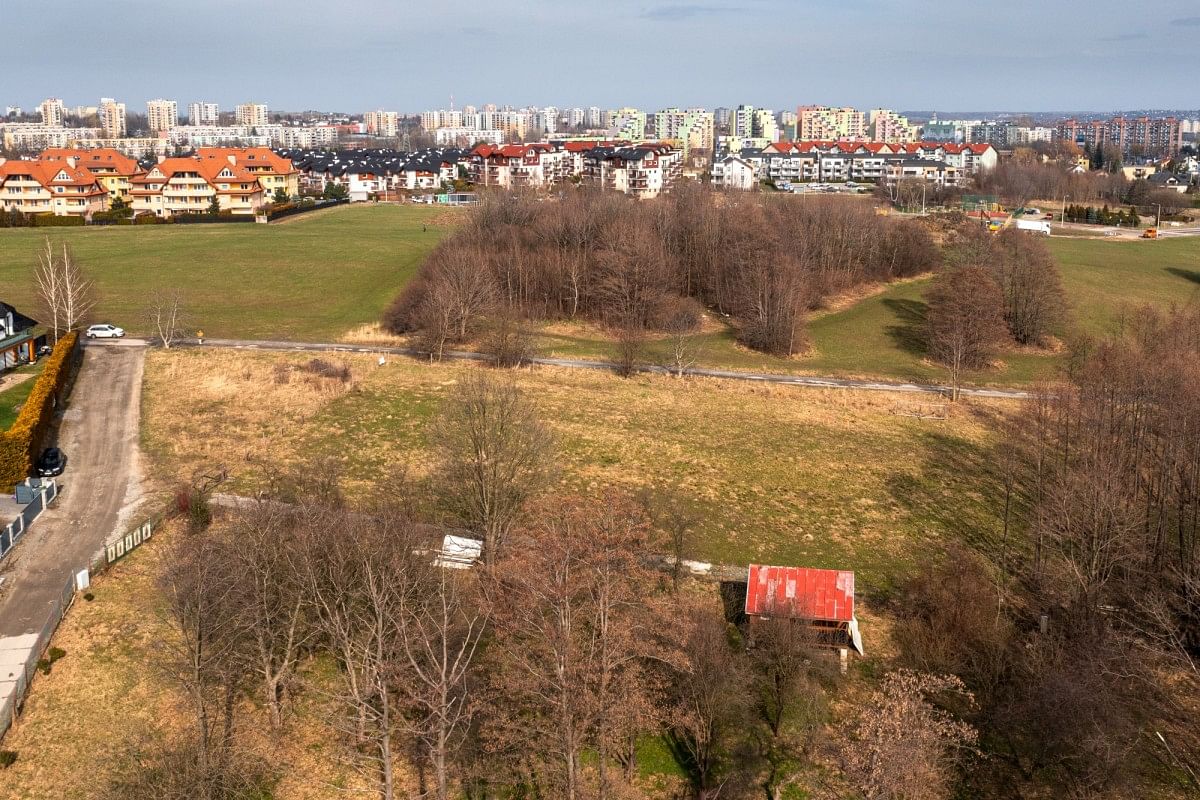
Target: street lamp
[[1063, 220], [1158, 215]]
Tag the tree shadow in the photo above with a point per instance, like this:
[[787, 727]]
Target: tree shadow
[[909, 332], [1187, 274]]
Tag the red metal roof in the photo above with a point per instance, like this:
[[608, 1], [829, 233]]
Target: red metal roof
[[799, 592]]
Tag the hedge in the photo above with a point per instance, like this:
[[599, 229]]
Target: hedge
[[50, 220], [19, 445]]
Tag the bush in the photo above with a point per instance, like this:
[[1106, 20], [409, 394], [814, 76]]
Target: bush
[[327, 369], [7, 758], [19, 445], [89, 596], [56, 653], [192, 504], [50, 220]]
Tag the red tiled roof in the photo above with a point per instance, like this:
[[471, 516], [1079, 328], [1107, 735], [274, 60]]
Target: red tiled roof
[[101, 157], [825, 595]]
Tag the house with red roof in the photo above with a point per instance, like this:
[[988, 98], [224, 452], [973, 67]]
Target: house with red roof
[[820, 599], [59, 187], [188, 185], [513, 166], [113, 168]]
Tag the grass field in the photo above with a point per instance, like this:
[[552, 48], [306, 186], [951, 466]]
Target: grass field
[[311, 277], [821, 478], [13, 397]]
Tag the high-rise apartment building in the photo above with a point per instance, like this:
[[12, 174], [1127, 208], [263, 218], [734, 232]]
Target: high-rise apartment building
[[382, 123], [888, 126], [748, 122], [252, 115], [53, 111], [691, 128], [203, 113], [161, 115], [595, 117], [824, 123], [112, 118]]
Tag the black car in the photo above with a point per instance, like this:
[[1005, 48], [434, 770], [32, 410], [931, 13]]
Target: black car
[[52, 462]]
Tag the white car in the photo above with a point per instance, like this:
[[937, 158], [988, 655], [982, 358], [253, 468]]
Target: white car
[[105, 332]]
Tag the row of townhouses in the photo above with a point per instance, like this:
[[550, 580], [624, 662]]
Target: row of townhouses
[[643, 170], [70, 182], [379, 174], [941, 163]]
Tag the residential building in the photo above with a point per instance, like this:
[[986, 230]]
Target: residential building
[[1030, 135], [734, 172], [643, 171], [751, 122], [518, 165], [134, 147], [689, 130], [825, 123], [382, 123], [112, 118], [628, 123], [888, 126], [217, 135], [113, 169], [575, 117], [466, 137], [36, 136], [308, 136], [53, 112], [16, 111], [1140, 135], [161, 115], [1001, 134], [721, 117], [252, 115], [54, 187], [594, 118], [241, 179], [204, 114]]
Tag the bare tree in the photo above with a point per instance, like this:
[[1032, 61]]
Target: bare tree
[[682, 324], [77, 295], [901, 746], [495, 454], [965, 321], [166, 315], [50, 288], [439, 632]]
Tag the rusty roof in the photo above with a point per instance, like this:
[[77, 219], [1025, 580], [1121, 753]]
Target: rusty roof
[[825, 595]]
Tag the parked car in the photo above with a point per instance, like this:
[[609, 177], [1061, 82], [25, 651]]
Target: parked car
[[52, 462], [105, 331]]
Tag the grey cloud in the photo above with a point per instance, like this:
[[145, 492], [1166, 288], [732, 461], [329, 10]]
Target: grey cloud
[[1188, 21], [1124, 37]]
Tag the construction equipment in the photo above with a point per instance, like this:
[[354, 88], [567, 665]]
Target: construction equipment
[[1150, 233]]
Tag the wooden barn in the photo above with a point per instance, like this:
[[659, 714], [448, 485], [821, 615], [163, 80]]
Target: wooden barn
[[822, 599]]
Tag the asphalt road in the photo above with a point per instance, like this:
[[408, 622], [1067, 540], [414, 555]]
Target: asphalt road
[[100, 487], [574, 363]]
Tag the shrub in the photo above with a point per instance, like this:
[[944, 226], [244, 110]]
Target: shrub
[[89, 596], [50, 220], [327, 369], [192, 504], [44, 665], [7, 758], [56, 653], [20, 443]]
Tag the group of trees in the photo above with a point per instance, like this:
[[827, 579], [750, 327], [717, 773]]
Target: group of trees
[[1077, 626], [1101, 216], [638, 267], [992, 288], [540, 672]]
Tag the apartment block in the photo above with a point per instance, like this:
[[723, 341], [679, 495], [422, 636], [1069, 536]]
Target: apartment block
[[53, 112], [643, 171], [113, 169], [888, 126], [61, 188], [36, 136], [112, 118], [826, 123], [518, 165], [242, 180], [690, 129], [749, 122], [204, 113], [1140, 135], [628, 123], [252, 115], [161, 115], [382, 123]]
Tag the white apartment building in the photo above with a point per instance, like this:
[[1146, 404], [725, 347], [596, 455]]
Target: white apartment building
[[204, 113], [441, 118], [217, 135], [382, 123], [253, 115], [112, 118], [594, 117], [307, 136], [733, 172], [642, 171], [37, 136], [466, 137], [53, 112], [161, 115], [756, 123]]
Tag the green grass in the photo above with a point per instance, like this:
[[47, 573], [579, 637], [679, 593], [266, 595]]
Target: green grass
[[312, 277], [13, 398]]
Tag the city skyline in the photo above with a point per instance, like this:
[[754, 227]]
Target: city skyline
[[769, 53]]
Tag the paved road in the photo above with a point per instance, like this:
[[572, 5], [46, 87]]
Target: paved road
[[99, 434], [575, 363]]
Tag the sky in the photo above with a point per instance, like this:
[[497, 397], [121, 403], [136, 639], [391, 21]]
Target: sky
[[355, 55]]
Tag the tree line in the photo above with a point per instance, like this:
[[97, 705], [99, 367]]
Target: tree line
[[637, 267], [543, 671], [1076, 626]]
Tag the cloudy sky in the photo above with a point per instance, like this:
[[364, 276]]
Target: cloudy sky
[[352, 55]]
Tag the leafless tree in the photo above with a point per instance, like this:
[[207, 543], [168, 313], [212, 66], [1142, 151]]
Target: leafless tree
[[965, 321], [166, 315], [901, 746], [681, 324], [439, 631], [65, 293], [495, 454]]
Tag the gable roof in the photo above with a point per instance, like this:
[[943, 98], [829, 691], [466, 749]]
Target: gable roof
[[106, 160], [825, 595]]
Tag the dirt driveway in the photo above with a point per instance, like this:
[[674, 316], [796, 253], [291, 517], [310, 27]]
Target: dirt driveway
[[100, 488]]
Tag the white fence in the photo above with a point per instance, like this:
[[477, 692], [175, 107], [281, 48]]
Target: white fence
[[43, 491]]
